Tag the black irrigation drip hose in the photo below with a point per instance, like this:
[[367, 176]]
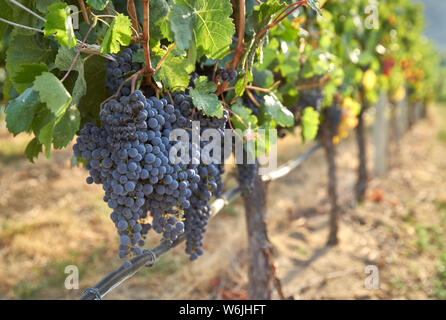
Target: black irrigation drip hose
[[149, 257]]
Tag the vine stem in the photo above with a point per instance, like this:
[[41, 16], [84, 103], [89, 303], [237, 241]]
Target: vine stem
[[149, 69], [158, 66], [296, 5], [317, 84], [79, 50], [84, 11], [266, 90], [251, 97], [131, 9], [134, 77], [241, 35], [21, 6], [282, 15]]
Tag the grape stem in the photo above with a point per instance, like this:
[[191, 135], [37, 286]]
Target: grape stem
[[131, 78], [79, 50], [84, 11]]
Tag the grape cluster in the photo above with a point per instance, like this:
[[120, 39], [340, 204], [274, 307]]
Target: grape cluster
[[210, 172], [120, 69], [227, 75], [133, 158], [129, 156]]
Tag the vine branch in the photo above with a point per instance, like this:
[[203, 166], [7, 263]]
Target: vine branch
[[158, 66], [79, 50], [149, 69], [282, 15], [239, 51], [84, 11], [131, 9], [241, 35]]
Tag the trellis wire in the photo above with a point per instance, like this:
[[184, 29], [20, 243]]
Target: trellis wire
[[20, 25], [149, 257]]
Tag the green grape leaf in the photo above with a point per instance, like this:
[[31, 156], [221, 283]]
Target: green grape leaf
[[66, 128], [29, 71], [119, 33], [310, 124], [277, 111], [182, 21], [20, 111], [191, 58], [257, 22], [18, 15], [262, 15], [98, 4], [207, 22], [41, 119], [265, 138], [64, 59], [242, 117], [6, 11], [33, 149], [138, 56], [204, 98], [263, 79], [159, 24], [53, 93], [46, 136], [59, 24], [43, 5], [291, 64], [241, 84], [173, 71], [21, 50], [158, 10]]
